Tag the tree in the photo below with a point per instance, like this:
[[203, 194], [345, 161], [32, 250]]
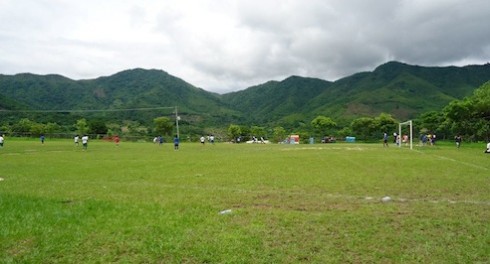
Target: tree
[[344, 132], [23, 126], [257, 131], [51, 128], [163, 125], [471, 116], [363, 127], [97, 126], [234, 131], [37, 129], [279, 134], [81, 126], [385, 123], [323, 124], [113, 129], [431, 120]]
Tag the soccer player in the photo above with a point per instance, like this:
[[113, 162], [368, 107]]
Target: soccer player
[[85, 142], [176, 142], [458, 140], [116, 140], [385, 139]]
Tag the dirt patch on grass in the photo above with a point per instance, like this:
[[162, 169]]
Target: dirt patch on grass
[[21, 248]]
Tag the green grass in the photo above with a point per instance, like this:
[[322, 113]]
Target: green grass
[[143, 203]]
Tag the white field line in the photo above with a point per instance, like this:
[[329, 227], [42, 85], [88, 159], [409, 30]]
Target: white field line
[[331, 195], [456, 161], [357, 148]]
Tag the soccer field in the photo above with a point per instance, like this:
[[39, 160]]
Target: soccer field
[[243, 203]]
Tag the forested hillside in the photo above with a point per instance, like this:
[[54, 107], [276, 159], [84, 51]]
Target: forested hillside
[[401, 90], [273, 100]]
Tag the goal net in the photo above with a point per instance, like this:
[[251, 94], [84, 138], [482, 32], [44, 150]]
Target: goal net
[[406, 137]]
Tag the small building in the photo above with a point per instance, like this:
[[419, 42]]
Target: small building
[[293, 139]]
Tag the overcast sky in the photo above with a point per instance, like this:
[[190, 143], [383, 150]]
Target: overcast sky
[[227, 45]]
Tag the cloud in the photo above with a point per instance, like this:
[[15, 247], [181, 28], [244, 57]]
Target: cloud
[[223, 45]]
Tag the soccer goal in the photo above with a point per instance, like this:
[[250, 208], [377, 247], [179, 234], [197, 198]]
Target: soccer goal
[[410, 134]]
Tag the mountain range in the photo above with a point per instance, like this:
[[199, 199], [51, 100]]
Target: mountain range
[[402, 90]]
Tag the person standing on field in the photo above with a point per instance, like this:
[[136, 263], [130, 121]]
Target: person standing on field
[[85, 142], [1, 140], [176, 142], [385, 139], [458, 140], [117, 140], [76, 139], [488, 147]]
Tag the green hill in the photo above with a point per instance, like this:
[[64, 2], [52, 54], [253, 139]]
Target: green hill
[[402, 90], [274, 100], [137, 88], [399, 89]]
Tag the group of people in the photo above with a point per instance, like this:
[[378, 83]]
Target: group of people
[[84, 140], [160, 140], [425, 139], [396, 139], [428, 139], [210, 139]]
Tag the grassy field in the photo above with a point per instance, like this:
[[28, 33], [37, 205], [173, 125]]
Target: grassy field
[[144, 203]]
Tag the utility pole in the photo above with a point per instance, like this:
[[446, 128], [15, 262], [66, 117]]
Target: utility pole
[[177, 117]]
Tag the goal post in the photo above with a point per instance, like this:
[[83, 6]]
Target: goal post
[[407, 123]]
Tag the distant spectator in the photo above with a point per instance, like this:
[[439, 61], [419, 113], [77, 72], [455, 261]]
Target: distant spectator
[[423, 138], [405, 139], [385, 139], [176, 142], [458, 140], [117, 140]]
